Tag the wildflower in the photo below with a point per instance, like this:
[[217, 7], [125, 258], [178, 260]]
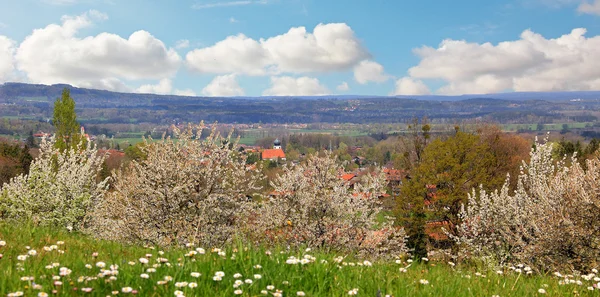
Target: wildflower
[[238, 292], [151, 270], [161, 282], [499, 272], [257, 276], [270, 287], [60, 242], [42, 294], [217, 278], [100, 264], [220, 273], [451, 264], [2, 243], [367, 263], [541, 291], [58, 283], [257, 266], [398, 261], [143, 260], [300, 293], [126, 290], [403, 270], [181, 284], [353, 292], [22, 257], [248, 281], [179, 293], [88, 266], [32, 252], [200, 251], [409, 261], [264, 292], [195, 274], [192, 285], [423, 281], [425, 259], [237, 275], [87, 290], [143, 275], [168, 278]]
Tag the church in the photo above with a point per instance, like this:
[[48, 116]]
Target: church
[[275, 153]]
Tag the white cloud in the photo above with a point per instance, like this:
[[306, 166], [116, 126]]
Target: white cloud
[[163, 87], [331, 47], [7, 49], [233, 20], [531, 63], [590, 7], [227, 4], [409, 86], [369, 71], [301, 86], [183, 43], [55, 54], [223, 86], [185, 92], [3, 25], [343, 87], [235, 54]]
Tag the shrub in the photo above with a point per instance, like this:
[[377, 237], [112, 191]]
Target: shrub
[[59, 189], [551, 220], [184, 190], [311, 205]]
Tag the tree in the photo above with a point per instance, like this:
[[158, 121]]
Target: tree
[[65, 122]]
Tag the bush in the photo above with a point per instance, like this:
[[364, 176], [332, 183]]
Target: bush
[[311, 205], [59, 189], [184, 190], [550, 221]]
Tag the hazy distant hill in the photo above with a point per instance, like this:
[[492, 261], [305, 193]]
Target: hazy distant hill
[[96, 106]]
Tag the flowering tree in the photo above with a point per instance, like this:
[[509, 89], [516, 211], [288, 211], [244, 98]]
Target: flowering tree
[[184, 190], [59, 189], [551, 220], [312, 205]]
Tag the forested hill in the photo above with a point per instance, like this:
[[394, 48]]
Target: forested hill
[[95, 106]]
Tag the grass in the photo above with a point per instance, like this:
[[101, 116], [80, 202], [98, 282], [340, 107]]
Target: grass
[[323, 276]]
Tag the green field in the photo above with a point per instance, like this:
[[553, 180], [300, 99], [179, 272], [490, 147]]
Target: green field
[[547, 127], [47, 262]]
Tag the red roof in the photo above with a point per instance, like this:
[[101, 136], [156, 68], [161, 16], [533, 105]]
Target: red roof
[[348, 176], [271, 154]]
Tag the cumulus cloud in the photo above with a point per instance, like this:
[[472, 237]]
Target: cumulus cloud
[[290, 86], [531, 63], [164, 87], [590, 7], [331, 47], [369, 71], [55, 54], [223, 86], [7, 49], [236, 54], [409, 86], [185, 92], [343, 87]]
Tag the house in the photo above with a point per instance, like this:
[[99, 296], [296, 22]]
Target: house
[[275, 153]]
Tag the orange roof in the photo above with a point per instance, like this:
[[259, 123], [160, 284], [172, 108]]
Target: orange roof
[[270, 154], [348, 176]]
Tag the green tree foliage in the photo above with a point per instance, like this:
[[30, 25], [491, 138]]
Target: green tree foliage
[[449, 170], [65, 121]]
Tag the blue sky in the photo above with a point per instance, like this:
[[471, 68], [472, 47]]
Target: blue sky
[[257, 47]]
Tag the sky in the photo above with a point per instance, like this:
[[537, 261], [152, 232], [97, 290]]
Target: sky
[[303, 47]]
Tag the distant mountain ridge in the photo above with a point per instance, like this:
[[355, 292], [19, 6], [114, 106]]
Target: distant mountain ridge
[[36, 90], [29, 101]]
